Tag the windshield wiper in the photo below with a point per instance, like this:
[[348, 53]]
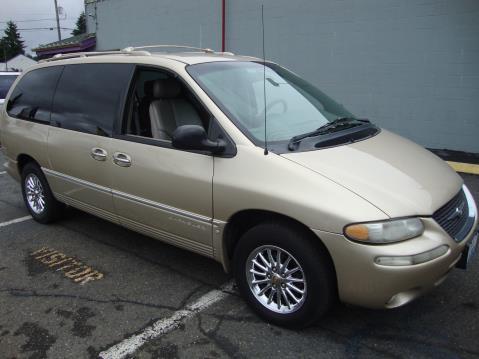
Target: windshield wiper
[[327, 128]]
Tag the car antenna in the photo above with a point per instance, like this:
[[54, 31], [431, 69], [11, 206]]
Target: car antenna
[[264, 83]]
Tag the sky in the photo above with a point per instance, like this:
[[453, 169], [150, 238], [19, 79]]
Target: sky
[[43, 12]]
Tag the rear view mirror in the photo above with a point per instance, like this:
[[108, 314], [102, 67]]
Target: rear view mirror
[[194, 137]]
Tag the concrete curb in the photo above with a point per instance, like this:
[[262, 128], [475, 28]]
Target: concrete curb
[[470, 168]]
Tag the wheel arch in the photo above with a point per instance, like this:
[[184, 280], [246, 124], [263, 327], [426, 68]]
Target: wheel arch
[[240, 222], [22, 160]]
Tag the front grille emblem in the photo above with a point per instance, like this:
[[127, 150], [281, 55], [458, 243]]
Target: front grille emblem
[[458, 212]]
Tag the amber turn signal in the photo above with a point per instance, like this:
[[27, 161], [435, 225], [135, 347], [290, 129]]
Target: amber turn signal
[[358, 232]]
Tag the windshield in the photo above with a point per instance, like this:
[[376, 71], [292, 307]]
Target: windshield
[[5, 82], [293, 106]]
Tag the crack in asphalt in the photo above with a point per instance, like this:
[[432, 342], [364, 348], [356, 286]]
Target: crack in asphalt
[[185, 301], [149, 323], [236, 319], [26, 293], [219, 341]]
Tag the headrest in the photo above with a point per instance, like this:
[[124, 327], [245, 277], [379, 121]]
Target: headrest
[[165, 88]]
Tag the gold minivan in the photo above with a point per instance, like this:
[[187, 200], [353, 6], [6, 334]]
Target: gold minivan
[[244, 162]]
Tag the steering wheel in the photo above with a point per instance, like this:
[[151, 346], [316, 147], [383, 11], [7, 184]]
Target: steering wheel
[[272, 104]]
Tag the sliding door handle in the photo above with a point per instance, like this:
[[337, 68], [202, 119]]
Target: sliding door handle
[[122, 159], [98, 154]]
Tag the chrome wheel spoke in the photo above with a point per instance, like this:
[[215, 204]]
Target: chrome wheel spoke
[[31, 185], [263, 259], [263, 291], [293, 280], [259, 265], [260, 281], [270, 297], [291, 271], [278, 298], [286, 299], [296, 300], [257, 273], [285, 265], [270, 257], [297, 290]]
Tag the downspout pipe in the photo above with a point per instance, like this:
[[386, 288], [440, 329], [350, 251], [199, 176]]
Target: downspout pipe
[[223, 25]]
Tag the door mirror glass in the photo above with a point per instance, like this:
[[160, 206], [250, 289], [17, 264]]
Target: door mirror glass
[[194, 137]]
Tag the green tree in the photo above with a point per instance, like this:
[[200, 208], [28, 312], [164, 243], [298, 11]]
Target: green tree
[[11, 44], [80, 26]]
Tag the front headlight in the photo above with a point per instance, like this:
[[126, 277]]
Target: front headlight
[[386, 231]]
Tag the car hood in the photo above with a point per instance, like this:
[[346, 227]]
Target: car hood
[[394, 174]]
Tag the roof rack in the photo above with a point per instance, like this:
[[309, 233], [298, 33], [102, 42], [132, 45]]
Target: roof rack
[[208, 51], [58, 57], [133, 51]]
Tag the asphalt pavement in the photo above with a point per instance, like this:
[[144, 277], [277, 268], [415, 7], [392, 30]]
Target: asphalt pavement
[[49, 310]]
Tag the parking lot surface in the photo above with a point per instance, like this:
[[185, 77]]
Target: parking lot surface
[[49, 310]]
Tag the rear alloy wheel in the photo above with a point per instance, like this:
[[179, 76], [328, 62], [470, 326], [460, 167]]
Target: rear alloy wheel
[[38, 197], [34, 193], [284, 275]]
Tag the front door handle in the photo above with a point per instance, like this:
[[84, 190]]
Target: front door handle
[[122, 159], [98, 154]]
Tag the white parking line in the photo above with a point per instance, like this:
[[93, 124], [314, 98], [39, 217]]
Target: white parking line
[[13, 221], [3, 172], [164, 326]]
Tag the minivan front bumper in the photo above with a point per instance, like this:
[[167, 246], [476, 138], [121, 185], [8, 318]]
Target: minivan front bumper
[[362, 281]]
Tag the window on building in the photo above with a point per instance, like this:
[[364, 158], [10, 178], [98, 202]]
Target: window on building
[[32, 97], [89, 97]]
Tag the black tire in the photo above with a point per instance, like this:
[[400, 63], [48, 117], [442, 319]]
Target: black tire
[[52, 208], [321, 293]]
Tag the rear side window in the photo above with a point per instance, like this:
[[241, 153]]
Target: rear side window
[[5, 82], [89, 96], [32, 97]]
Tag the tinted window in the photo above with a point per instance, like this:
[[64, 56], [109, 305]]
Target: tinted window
[[88, 97], [5, 82], [32, 97]]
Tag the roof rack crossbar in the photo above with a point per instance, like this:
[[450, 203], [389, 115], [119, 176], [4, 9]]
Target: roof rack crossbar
[[133, 48], [58, 57]]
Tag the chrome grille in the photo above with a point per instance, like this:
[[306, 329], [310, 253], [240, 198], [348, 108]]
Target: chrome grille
[[454, 216]]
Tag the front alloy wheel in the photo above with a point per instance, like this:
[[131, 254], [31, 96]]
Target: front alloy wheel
[[284, 273], [276, 279]]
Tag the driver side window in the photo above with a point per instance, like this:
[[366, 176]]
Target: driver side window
[[158, 104]]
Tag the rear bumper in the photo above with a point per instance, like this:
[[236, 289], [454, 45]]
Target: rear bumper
[[363, 282]]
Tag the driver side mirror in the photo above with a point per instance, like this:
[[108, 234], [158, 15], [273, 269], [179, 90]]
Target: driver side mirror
[[194, 137]]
